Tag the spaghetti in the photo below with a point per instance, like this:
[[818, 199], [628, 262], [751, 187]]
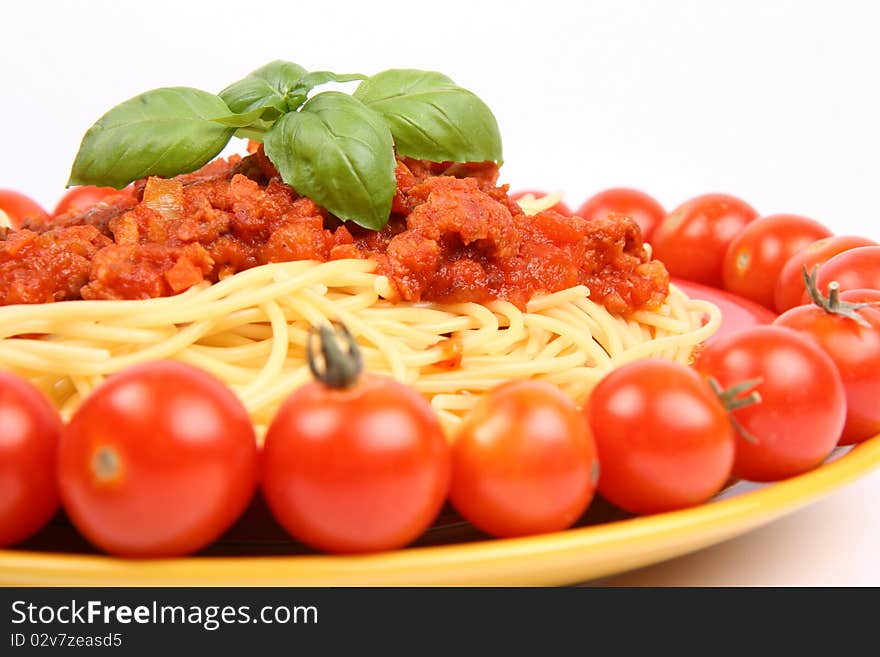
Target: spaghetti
[[250, 330]]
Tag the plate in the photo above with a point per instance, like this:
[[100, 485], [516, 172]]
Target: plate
[[599, 548], [256, 552]]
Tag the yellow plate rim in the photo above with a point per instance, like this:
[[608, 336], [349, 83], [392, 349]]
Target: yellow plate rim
[[570, 556]]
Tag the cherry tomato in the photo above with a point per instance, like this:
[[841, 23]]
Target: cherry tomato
[[355, 463], [855, 349], [789, 289], [692, 239], [30, 429], [736, 313], [158, 461], [803, 405], [523, 462], [756, 256], [640, 207], [664, 439], [560, 207], [853, 270], [19, 208], [82, 198]]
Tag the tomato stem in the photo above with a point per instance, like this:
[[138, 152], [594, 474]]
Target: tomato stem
[[732, 400], [338, 368], [832, 303]]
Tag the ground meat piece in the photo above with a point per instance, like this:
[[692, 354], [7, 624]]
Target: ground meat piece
[[458, 207], [298, 240], [218, 170], [231, 256], [142, 224], [258, 167], [50, 266], [413, 259], [548, 266], [618, 272], [405, 182], [257, 212], [453, 235], [193, 262], [459, 281], [424, 170], [484, 173], [201, 222], [142, 271]]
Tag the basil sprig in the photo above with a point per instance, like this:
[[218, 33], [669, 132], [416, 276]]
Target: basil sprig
[[335, 148]]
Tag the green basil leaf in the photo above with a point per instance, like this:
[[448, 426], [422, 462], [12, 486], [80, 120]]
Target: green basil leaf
[[163, 132], [431, 117], [254, 132], [314, 79], [241, 120], [340, 154], [266, 88]]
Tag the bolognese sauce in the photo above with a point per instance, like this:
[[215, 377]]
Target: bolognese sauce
[[454, 235]]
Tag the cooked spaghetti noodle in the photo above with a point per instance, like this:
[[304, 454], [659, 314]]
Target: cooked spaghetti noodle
[[250, 330]]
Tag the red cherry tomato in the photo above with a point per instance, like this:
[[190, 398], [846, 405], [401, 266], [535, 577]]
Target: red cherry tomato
[[756, 256], [523, 461], [855, 269], [789, 290], [82, 198], [736, 313], [20, 208], [803, 405], [158, 461], [664, 439], [855, 350], [30, 429], [560, 207], [637, 205], [359, 469], [692, 239]]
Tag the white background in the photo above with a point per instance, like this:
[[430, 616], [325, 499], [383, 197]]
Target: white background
[[776, 102]]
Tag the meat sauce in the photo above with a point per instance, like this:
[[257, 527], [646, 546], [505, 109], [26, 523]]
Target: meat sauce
[[454, 235]]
